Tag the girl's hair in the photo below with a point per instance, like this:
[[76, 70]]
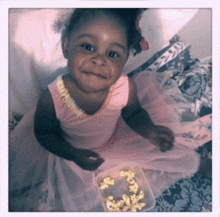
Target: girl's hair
[[127, 18]]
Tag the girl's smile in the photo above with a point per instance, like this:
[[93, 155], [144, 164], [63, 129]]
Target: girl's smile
[[96, 53], [97, 75]]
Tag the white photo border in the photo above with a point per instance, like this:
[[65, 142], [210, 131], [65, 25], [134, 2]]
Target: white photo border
[[5, 5]]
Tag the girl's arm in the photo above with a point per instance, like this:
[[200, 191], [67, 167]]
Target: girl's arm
[[48, 133], [139, 120]]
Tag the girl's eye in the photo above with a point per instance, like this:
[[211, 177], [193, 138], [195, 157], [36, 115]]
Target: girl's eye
[[88, 47], [113, 54]]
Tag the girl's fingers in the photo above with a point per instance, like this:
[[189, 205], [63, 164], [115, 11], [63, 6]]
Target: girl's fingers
[[90, 164], [88, 159], [165, 138], [94, 157], [99, 162], [90, 154], [165, 130], [166, 146], [93, 154], [96, 160], [166, 133], [93, 165]]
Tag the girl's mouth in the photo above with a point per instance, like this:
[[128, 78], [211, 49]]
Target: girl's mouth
[[89, 73]]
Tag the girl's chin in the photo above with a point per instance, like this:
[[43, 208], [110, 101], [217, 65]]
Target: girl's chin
[[94, 88], [93, 84]]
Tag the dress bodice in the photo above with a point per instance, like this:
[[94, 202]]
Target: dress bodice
[[88, 131]]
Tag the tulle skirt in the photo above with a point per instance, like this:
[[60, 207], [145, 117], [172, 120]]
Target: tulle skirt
[[41, 181]]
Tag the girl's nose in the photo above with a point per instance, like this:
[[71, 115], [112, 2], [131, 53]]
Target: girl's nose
[[99, 60]]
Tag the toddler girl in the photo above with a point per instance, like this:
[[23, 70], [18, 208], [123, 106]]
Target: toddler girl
[[90, 119], [97, 48]]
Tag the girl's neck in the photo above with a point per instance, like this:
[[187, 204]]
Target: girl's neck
[[89, 102], [74, 87]]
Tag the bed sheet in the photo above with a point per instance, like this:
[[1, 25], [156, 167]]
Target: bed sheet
[[189, 83]]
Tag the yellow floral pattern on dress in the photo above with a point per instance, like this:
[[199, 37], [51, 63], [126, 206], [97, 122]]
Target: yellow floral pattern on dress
[[71, 103], [68, 99]]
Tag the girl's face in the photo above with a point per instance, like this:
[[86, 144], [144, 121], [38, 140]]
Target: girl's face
[[96, 53]]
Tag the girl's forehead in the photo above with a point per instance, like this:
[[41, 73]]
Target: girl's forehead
[[101, 16], [100, 22]]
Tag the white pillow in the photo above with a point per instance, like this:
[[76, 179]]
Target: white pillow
[[35, 53]]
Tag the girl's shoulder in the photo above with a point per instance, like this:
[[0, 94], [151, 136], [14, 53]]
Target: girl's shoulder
[[120, 92], [45, 116], [122, 82], [45, 103], [132, 93]]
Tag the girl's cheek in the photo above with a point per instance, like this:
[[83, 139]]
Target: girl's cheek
[[116, 69], [74, 51], [119, 65]]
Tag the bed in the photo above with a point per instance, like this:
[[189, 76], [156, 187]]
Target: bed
[[182, 61], [192, 194]]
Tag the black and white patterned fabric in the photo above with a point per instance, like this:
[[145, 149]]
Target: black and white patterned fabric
[[189, 83]]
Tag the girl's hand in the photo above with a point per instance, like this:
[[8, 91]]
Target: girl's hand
[[161, 136], [87, 159]]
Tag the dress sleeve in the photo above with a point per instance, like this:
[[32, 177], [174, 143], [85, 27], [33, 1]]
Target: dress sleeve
[[121, 92]]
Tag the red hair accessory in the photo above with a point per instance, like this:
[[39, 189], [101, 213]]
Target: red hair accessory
[[144, 44]]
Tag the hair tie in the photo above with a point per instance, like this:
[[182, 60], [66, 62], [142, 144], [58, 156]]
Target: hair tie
[[143, 43]]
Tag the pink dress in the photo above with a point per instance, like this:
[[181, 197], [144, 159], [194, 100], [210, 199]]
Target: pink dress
[[56, 184]]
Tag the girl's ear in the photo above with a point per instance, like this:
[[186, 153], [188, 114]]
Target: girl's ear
[[65, 46]]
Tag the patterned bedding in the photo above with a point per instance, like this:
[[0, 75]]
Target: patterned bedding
[[189, 83]]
